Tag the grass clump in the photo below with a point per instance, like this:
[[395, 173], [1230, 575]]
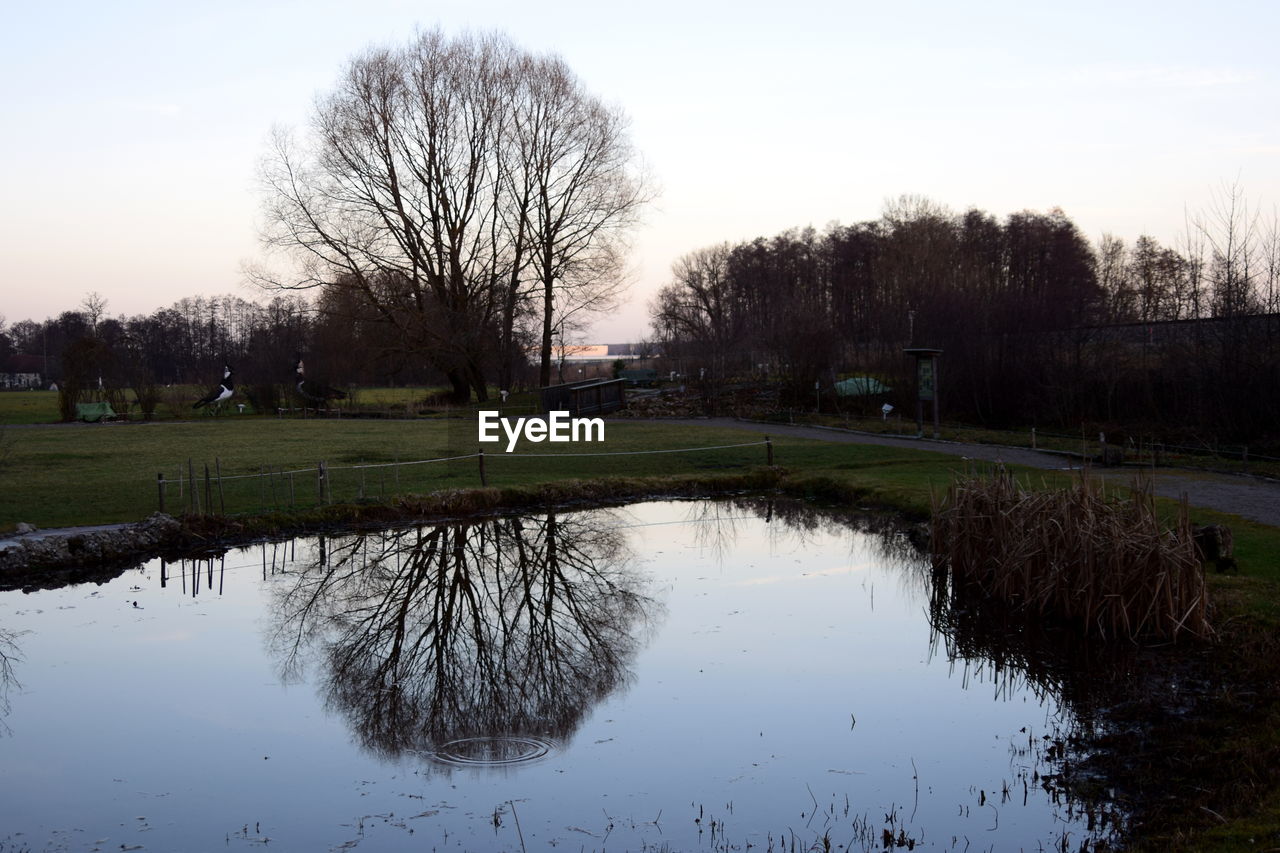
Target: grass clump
[[1106, 565]]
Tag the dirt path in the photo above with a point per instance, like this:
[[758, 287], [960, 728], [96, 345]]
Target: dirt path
[[1251, 497]]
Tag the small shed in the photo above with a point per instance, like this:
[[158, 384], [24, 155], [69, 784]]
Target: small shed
[[591, 397]]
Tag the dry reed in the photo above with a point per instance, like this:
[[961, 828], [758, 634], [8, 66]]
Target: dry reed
[[1074, 556]]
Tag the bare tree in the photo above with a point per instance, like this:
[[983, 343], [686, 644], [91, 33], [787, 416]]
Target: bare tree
[[94, 306], [697, 305], [574, 190], [1231, 231], [435, 177]]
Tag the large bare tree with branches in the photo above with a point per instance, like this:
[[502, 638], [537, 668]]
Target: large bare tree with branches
[[447, 183]]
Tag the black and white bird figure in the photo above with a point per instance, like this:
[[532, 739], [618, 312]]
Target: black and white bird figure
[[220, 394], [313, 391]]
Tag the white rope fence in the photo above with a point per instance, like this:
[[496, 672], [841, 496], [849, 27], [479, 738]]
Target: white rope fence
[[198, 497]]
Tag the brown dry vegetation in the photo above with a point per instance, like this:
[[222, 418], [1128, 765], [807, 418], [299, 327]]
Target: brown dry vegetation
[[1104, 564]]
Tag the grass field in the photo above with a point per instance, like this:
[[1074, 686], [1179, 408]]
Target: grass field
[[41, 407], [72, 474], [99, 473]]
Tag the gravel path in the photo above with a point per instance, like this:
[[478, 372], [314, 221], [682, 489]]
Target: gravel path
[[1250, 497]]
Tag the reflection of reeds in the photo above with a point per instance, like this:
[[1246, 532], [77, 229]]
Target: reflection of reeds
[[1077, 556]]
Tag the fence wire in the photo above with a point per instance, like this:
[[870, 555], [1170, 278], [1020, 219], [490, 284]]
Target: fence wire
[[271, 489]]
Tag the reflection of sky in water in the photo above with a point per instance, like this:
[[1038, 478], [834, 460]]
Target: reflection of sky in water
[[783, 667]]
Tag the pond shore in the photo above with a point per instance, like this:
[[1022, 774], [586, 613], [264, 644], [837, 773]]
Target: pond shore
[[1192, 749]]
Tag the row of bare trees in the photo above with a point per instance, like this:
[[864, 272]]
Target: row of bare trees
[[467, 195], [188, 341], [1037, 325]]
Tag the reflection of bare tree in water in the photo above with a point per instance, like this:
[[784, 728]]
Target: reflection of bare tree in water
[[9, 655], [795, 523], [512, 626], [1008, 649]]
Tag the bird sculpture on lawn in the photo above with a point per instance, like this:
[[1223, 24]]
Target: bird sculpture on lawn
[[313, 391], [220, 394]]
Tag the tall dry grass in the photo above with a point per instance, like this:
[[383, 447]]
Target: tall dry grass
[[1103, 563]]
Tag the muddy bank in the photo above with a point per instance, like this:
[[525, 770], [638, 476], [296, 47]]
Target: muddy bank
[[35, 559]]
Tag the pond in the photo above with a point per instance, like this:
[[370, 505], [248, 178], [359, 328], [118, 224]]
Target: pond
[[668, 676]]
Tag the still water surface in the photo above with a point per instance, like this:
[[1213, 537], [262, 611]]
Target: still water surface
[[681, 676]]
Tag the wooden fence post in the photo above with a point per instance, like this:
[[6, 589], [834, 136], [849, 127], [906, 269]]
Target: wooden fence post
[[160, 488], [768, 449], [191, 487], [222, 498], [484, 481]]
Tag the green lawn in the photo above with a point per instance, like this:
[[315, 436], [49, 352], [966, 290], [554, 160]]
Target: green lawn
[[98, 473], [41, 407], [28, 407]]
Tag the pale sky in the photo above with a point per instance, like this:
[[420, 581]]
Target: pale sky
[[131, 131]]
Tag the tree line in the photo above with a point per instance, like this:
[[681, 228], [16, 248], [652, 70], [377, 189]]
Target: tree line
[[1038, 326], [86, 351]]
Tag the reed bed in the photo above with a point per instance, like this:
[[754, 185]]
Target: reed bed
[[1105, 564]]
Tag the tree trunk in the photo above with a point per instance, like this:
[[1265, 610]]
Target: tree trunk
[[478, 384], [548, 306], [506, 343], [461, 388]]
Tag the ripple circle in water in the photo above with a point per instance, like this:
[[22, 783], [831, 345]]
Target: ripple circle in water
[[493, 751]]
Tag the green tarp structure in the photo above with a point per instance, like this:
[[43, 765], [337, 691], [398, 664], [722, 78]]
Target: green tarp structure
[[861, 386], [93, 412]]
